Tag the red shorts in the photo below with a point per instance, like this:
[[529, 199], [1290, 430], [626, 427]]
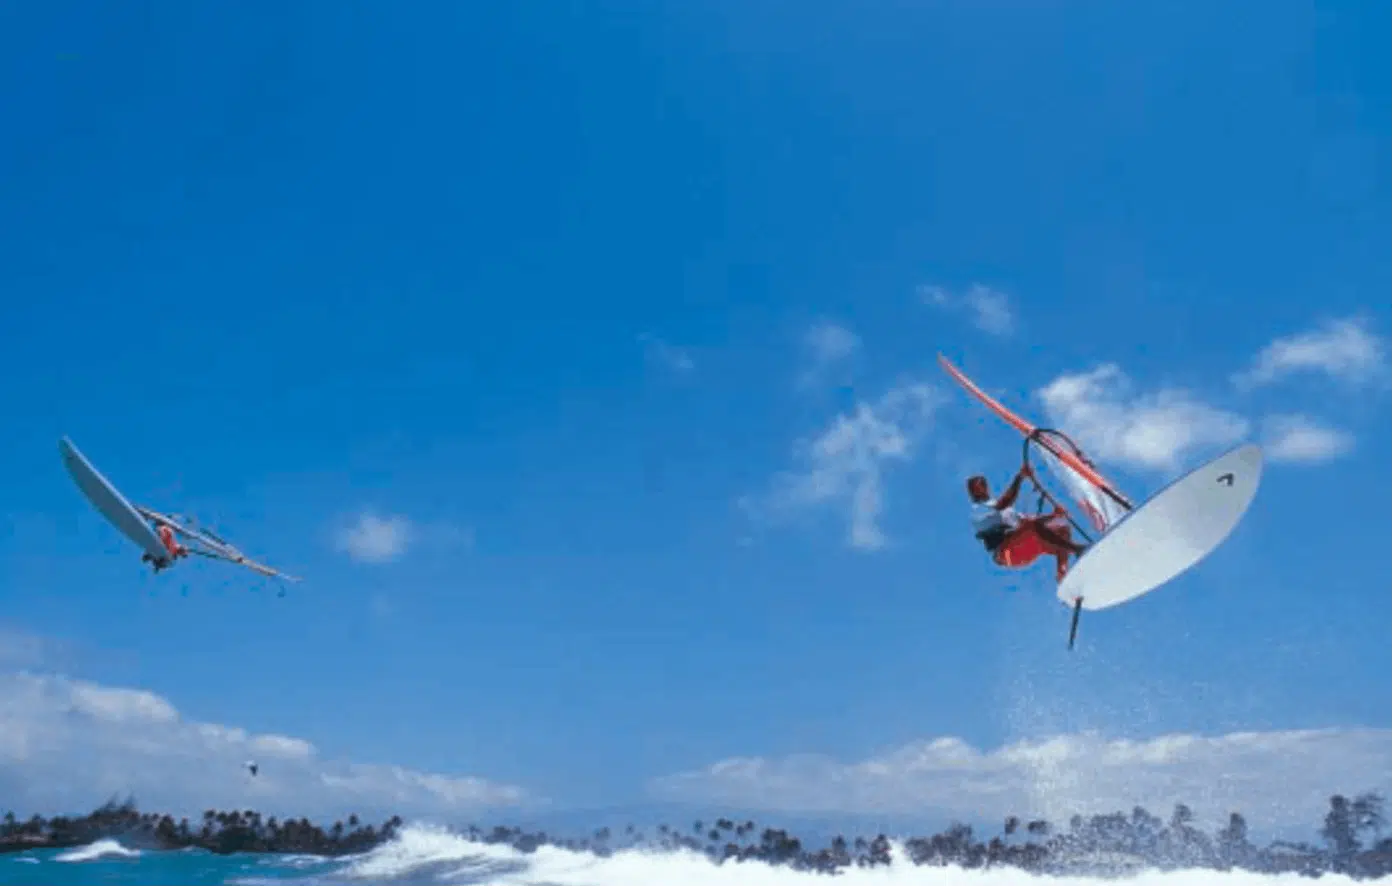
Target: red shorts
[[167, 537], [1023, 546]]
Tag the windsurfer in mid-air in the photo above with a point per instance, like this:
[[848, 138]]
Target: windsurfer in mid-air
[[1016, 540]]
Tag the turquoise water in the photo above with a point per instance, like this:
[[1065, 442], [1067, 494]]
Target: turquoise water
[[435, 856], [108, 862]]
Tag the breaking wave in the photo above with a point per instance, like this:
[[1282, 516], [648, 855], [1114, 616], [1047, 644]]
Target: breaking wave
[[432, 855], [106, 848]]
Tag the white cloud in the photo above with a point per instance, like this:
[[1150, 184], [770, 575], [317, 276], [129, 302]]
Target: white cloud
[[1297, 438], [989, 309], [1275, 778], [1100, 410], [936, 296], [829, 342], [679, 360], [375, 540], [68, 745], [845, 463], [1341, 349], [829, 347]]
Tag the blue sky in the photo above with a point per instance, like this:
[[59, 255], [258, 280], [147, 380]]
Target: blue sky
[[561, 301]]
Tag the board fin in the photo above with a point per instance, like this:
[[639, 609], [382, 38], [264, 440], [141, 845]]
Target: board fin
[[1074, 623]]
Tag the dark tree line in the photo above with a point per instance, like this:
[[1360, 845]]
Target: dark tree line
[[1107, 845], [219, 831], [1353, 841]]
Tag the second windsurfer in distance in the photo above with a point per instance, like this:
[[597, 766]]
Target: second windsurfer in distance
[[1014, 539]]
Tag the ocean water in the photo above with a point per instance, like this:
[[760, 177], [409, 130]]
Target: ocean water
[[423, 855]]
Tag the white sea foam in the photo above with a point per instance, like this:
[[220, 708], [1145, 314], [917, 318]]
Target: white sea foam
[[103, 849], [423, 854]]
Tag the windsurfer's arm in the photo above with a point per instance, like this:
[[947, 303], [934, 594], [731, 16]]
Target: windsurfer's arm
[[1008, 498]]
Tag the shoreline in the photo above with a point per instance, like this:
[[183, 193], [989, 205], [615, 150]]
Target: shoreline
[[1108, 845]]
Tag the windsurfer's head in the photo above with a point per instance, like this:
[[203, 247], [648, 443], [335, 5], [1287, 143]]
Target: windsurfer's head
[[977, 488]]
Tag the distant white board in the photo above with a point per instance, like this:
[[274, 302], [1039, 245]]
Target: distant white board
[[109, 501], [1167, 534]]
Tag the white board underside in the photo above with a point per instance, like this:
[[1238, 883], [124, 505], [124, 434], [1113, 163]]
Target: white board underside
[[109, 501], [1167, 534]]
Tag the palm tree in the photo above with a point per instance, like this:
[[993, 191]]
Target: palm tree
[[1339, 830], [1367, 811], [1233, 841], [1181, 817]]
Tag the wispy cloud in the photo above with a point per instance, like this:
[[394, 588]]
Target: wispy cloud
[[989, 309], [68, 745], [1276, 778], [1298, 438], [1102, 411], [374, 539], [846, 462], [828, 348], [678, 360], [1339, 349], [828, 342]]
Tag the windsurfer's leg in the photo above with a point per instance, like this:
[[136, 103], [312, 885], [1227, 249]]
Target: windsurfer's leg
[[1056, 540], [1057, 536]]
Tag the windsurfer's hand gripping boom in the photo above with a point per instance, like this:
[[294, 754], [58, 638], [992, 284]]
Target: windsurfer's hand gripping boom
[[1015, 540]]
